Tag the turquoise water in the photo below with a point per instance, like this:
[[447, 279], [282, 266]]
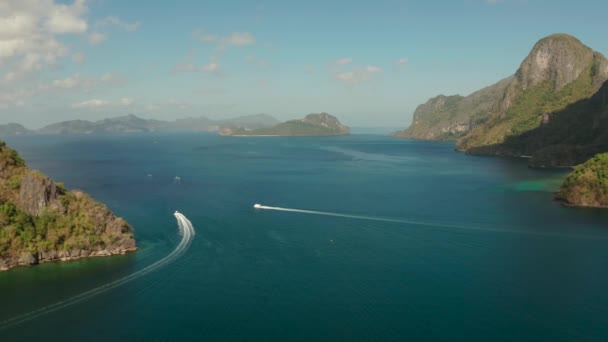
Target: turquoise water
[[465, 248]]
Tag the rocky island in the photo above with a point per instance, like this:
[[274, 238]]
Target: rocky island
[[40, 221], [322, 124], [552, 110], [587, 185]]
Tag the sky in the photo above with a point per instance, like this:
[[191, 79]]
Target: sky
[[370, 63]]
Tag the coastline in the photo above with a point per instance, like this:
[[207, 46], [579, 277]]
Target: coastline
[[31, 260]]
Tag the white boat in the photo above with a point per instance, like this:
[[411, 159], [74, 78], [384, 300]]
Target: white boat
[[176, 212], [257, 206]]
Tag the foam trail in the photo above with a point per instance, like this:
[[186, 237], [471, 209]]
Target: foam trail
[[186, 230], [430, 224]]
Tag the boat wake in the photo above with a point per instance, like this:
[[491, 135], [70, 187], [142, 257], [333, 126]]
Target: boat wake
[[430, 224], [186, 230]]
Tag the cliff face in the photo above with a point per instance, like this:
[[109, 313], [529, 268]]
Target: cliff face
[[559, 72], [451, 117], [552, 109], [40, 221], [322, 124]]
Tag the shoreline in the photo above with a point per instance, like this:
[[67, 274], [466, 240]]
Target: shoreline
[[95, 254]]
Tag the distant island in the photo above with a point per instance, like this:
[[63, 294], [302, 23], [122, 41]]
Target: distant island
[[322, 124], [40, 221], [552, 110], [134, 124]]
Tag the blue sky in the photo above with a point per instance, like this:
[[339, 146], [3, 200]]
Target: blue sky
[[369, 63]]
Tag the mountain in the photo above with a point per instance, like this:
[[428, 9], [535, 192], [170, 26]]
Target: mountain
[[322, 124], [13, 129], [548, 90], [551, 109], [451, 117], [122, 124], [587, 185], [40, 221], [133, 124], [69, 127]]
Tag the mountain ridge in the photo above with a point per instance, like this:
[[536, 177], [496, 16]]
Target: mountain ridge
[[132, 123]]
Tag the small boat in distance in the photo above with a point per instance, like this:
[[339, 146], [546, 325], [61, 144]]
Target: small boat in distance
[[176, 212], [257, 206]]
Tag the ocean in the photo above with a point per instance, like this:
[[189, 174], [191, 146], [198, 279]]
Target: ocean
[[384, 239]]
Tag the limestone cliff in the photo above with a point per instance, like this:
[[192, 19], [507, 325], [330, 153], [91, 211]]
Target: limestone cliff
[[451, 117], [40, 221], [559, 72]]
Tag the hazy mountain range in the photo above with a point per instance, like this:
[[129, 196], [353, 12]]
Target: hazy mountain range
[[132, 123]]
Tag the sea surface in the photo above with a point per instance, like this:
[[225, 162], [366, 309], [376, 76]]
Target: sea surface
[[432, 244]]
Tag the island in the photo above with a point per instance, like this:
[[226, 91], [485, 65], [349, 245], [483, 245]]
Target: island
[[587, 185], [321, 124], [41, 221], [551, 111]]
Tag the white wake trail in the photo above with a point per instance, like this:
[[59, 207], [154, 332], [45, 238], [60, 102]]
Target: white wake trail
[[430, 224], [186, 230]]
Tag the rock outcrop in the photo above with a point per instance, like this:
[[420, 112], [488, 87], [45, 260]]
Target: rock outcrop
[[559, 72], [587, 185], [451, 117], [553, 109], [40, 221]]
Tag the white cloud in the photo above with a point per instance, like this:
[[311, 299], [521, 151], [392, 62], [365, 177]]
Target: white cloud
[[29, 33], [372, 69], [402, 61], [116, 22], [152, 107], [357, 75], [344, 61], [222, 42], [204, 37], [96, 38], [97, 103], [87, 83], [66, 18], [211, 67], [238, 39], [262, 63], [78, 58]]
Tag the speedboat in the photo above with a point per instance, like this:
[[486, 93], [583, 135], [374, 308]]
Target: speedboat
[[257, 206], [176, 212]]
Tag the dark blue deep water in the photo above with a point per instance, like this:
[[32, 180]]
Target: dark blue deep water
[[491, 257]]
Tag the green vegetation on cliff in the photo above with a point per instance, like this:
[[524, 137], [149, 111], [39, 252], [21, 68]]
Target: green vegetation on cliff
[[559, 73], [312, 125], [41, 221], [452, 117], [587, 185]]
